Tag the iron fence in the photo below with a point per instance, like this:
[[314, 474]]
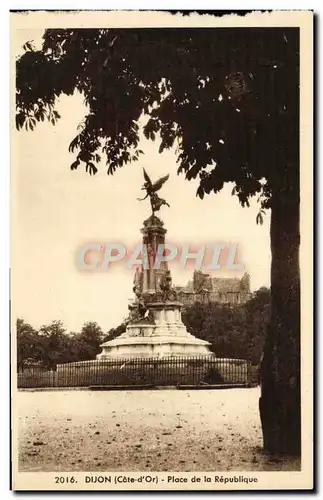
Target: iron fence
[[150, 372]]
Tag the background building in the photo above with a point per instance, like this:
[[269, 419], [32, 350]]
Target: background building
[[205, 288]]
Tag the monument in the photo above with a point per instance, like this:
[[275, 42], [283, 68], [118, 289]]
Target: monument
[[154, 326]]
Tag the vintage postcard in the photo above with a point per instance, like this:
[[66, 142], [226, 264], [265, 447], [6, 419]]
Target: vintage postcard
[[162, 250]]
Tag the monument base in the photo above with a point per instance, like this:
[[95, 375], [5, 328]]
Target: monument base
[[159, 346], [165, 336]]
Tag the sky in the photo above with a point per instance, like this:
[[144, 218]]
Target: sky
[[55, 211]]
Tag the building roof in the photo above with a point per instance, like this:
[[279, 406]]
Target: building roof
[[221, 285]]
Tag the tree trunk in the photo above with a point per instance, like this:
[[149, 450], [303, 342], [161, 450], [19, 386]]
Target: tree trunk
[[280, 402]]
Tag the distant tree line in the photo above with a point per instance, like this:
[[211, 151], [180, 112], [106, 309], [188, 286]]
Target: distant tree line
[[237, 332], [233, 331], [53, 344]]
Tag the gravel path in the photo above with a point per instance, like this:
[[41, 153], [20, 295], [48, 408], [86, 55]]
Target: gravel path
[[201, 430]]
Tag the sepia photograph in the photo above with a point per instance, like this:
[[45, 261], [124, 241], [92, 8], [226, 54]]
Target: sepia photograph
[[161, 251]]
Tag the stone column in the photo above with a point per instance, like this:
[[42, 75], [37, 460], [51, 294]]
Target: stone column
[[153, 236]]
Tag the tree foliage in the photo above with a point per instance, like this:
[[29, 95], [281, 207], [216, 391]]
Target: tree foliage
[[52, 344], [29, 347], [89, 341], [226, 98], [234, 332]]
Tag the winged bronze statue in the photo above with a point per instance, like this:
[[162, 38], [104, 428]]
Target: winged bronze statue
[[151, 190]]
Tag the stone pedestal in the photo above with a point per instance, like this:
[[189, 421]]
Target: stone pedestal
[[165, 336], [155, 327]]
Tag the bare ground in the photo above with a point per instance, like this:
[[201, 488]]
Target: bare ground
[[161, 430]]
